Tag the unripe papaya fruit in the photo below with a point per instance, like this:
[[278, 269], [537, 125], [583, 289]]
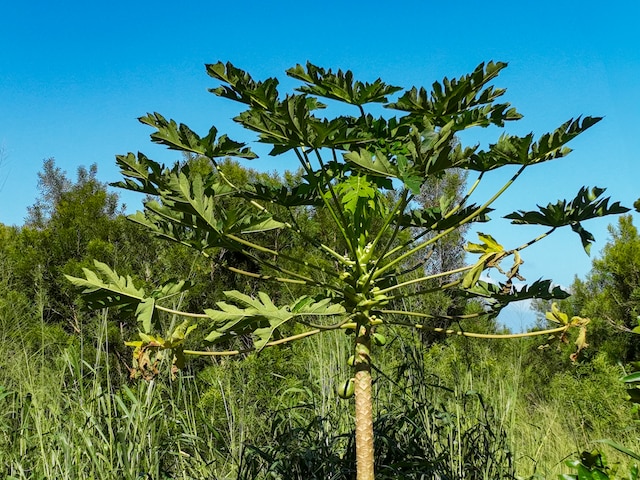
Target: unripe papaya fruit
[[379, 339], [346, 389]]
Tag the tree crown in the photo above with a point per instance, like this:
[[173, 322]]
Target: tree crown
[[362, 173]]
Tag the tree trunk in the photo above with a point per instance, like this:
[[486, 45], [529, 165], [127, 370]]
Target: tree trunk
[[364, 407]]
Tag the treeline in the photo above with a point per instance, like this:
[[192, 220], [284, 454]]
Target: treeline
[[450, 407]]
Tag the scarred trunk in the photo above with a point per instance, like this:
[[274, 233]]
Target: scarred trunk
[[364, 408]]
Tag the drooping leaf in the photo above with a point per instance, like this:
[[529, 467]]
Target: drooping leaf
[[181, 332], [586, 205], [586, 237], [581, 343], [473, 276], [488, 246], [499, 295], [556, 316], [491, 253]]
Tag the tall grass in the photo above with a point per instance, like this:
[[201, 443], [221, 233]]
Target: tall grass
[[63, 418], [546, 423]]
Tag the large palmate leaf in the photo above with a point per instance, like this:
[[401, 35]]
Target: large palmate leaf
[[205, 229], [409, 150], [260, 316], [147, 176], [188, 207], [434, 218], [299, 195], [104, 288], [375, 162], [340, 85], [499, 295], [586, 205], [291, 124], [141, 173], [180, 137], [514, 150], [359, 194], [240, 87], [429, 150], [465, 99]]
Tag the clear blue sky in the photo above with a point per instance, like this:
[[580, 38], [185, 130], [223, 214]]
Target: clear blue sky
[[74, 76]]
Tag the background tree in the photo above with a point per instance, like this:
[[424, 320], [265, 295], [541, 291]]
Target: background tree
[[445, 255], [361, 172], [70, 222]]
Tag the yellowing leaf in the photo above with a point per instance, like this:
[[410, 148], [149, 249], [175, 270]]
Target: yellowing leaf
[[581, 343], [490, 242], [489, 245], [556, 316]]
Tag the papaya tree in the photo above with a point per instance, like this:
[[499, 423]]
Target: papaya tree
[[363, 173]]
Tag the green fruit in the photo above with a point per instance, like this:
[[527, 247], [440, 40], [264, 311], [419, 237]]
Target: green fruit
[[379, 339], [351, 361], [345, 389]]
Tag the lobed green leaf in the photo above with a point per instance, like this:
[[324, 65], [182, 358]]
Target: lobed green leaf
[[182, 138], [586, 205], [340, 85]]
